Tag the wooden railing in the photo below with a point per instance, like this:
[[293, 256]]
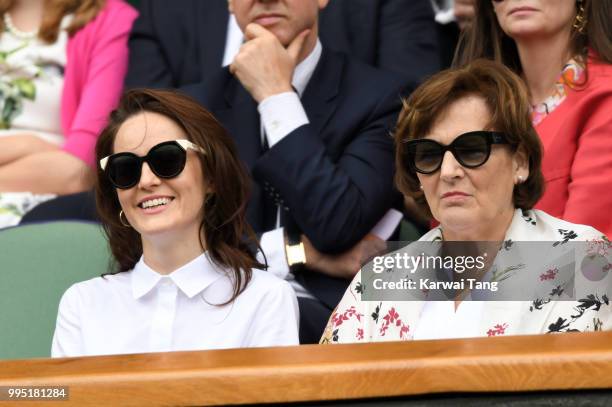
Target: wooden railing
[[317, 372]]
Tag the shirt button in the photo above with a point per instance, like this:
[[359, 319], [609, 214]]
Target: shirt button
[[166, 282]]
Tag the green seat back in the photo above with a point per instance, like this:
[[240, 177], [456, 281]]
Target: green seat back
[[38, 262]]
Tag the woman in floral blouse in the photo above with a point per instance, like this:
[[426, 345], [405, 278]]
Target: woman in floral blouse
[[469, 155], [562, 49]]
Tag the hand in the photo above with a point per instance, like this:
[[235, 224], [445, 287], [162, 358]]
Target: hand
[[464, 12], [263, 66], [347, 264]]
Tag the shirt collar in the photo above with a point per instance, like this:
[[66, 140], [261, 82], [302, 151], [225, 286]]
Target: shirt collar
[[191, 279], [304, 70]]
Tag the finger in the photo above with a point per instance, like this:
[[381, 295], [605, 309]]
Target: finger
[[295, 48], [464, 12], [254, 30]]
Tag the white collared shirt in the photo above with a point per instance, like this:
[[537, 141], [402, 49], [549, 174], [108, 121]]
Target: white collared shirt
[[143, 311]]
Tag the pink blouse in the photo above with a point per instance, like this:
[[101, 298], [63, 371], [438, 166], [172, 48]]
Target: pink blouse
[[97, 57]]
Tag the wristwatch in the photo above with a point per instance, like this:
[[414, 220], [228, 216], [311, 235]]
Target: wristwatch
[[294, 250]]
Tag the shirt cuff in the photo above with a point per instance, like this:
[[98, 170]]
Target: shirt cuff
[[445, 16], [280, 115], [273, 245]]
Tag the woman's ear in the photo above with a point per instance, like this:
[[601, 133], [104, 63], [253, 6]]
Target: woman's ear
[[520, 165]]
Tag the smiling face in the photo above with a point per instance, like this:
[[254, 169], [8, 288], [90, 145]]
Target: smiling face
[[476, 203], [526, 19], [159, 208], [284, 18]]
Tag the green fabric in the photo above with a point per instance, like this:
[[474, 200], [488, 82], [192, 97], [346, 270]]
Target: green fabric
[[38, 263]]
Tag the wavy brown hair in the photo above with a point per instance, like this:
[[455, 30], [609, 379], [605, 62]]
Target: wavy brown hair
[[54, 10], [484, 38], [224, 227], [505, 95]]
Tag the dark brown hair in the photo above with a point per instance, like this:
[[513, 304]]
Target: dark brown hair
[[484, 38], [54, 10], [506, 98], [224, 227]]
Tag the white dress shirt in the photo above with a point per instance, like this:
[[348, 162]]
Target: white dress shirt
[[143, 311]]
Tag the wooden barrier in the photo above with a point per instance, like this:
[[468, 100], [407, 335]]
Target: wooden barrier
[[318, 372]]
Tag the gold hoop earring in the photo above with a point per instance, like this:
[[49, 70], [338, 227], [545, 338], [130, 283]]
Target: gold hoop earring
[[121, 216], [580, 21]]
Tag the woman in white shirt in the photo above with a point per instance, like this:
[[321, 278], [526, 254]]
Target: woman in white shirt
[[172, 194], [469, 155]]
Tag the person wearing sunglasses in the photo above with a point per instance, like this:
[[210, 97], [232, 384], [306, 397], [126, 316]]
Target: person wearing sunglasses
[[474, 164], [562, 50], [171, 194]]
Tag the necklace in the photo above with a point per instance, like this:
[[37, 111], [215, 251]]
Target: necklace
[[22, 35]]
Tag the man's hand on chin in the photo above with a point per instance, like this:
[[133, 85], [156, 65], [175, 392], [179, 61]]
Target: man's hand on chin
[[263, 66]]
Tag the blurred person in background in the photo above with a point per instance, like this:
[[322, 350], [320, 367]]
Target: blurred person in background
[[562, 49], [467, 152], [62, 64], [172, 194], [397, 35]]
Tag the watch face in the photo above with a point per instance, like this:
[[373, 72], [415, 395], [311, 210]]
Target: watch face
[[295, 254]]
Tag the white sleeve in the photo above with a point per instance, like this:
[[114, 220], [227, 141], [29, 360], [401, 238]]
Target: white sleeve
[[444, 11], [67, 337], [280, 115], [278, 318], [273, 245]]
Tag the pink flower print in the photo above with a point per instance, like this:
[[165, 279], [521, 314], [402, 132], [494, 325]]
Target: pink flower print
[[549, 275], [404, 331], [352, 312], [359, 334], [338, 318], [391, 317], [497, 330], [598, 247]]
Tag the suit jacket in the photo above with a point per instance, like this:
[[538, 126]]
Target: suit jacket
[[333, 177], [526, 282], [177, 43]]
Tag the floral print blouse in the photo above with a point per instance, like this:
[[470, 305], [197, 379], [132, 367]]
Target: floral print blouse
[[570, 75], [357, 320]]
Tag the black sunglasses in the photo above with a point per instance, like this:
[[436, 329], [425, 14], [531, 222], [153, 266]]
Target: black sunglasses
[[166, 160], [471, 150]]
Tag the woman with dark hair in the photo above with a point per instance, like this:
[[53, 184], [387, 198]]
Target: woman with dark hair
[[562, 49], [171, 194], [62, 64], [467, 152]]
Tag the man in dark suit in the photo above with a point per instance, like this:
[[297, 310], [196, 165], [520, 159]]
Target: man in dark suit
[[176, 43], [313, 127]]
